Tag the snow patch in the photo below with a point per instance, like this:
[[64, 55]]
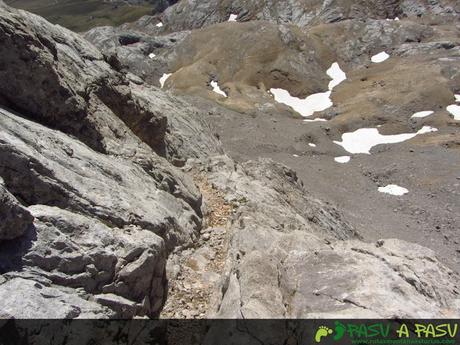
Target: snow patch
[[159, 25], [216, 88], [342, 159], [315, 120], [457, 98], [233, 18], [305, 107], [455, 111], [380, 57], [163, 79], [364, 139], [312, 145], [337, 75], [393, 190], [421, 114], [315, 102], [152, 55]]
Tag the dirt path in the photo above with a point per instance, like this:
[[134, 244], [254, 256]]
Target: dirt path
[[193, 273]]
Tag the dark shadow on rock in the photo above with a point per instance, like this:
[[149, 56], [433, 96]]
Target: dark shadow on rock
[[13, 251]]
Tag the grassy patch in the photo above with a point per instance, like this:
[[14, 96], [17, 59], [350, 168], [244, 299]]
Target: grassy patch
[[82, 15]]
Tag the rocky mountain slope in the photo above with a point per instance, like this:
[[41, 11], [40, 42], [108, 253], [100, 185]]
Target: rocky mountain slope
[[125, 198], [197, 14]]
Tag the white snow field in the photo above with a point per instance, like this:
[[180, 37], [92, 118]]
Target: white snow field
[[232, 18], [364, 139]]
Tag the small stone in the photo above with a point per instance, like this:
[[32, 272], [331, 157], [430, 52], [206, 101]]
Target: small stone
[[206, 236]]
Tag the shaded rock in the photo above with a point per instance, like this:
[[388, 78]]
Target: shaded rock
[[125, 309], [14, 218], [63, 57], [83, 181]]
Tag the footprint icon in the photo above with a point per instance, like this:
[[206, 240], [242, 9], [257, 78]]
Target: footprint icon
[[322, 331]]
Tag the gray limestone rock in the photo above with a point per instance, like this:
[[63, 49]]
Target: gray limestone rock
[[293, 256]]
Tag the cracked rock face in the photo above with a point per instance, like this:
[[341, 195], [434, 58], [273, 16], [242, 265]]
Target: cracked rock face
[[101, 224], [291, 256], [90, 209]]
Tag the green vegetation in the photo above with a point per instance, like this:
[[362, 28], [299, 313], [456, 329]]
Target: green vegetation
[[82, 15]]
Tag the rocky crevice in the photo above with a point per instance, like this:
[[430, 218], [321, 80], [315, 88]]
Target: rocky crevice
[[194, 272]]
